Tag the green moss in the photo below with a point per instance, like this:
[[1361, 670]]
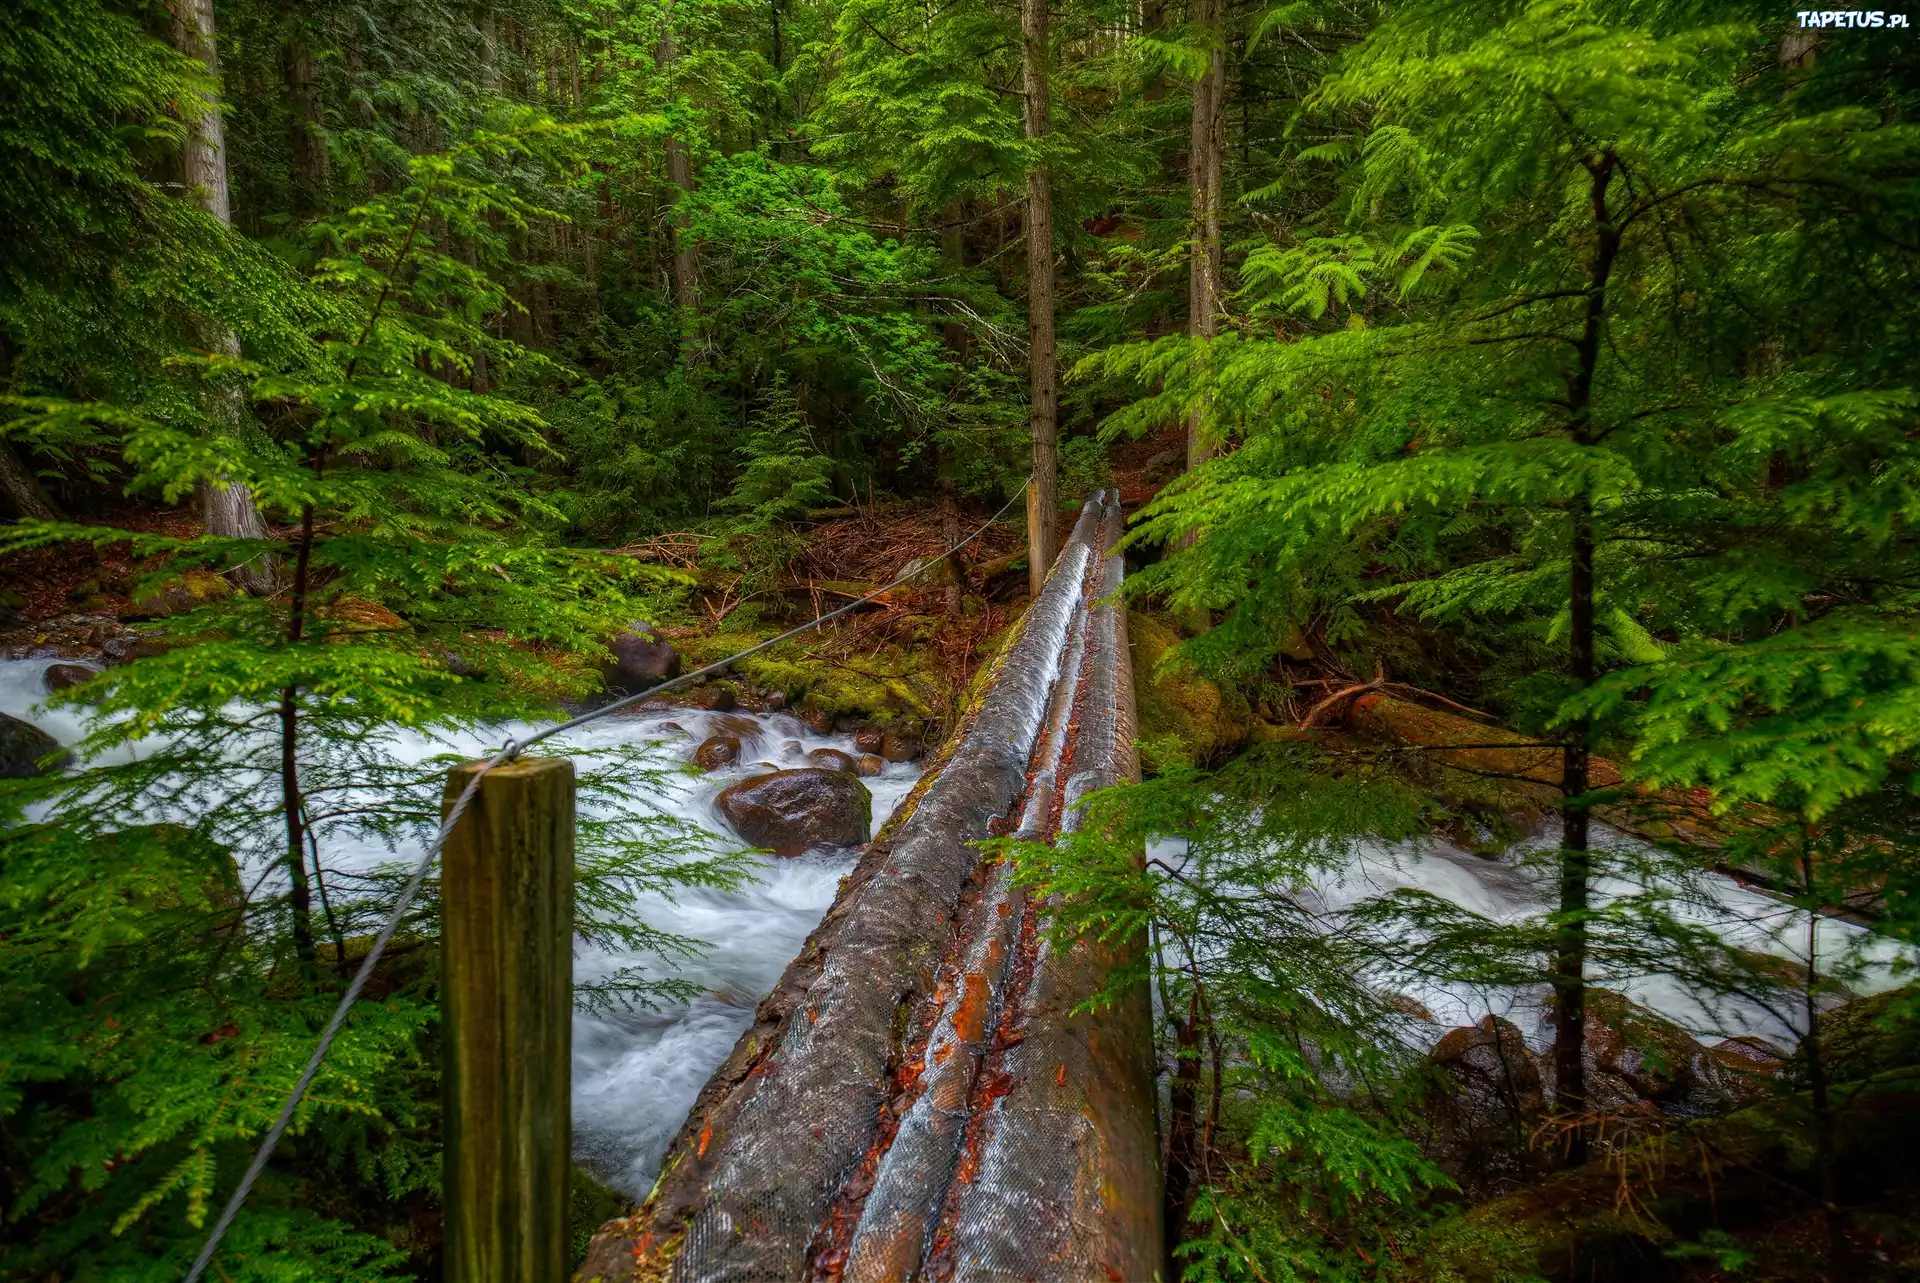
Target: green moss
[[1183, 717], [893, 684], [593, 1205]]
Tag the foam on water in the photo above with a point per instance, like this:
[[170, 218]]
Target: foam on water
[[1514, 888], [635, 1073]]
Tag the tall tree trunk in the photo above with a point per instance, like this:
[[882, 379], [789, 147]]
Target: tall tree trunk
[[20, 490], [306, 134], [953, 332], [1043, 412], [1819, 1089], [1182, 1158], [1576, 860], [1204, 176], [1153, 19], [686, 268], [226, 509], [291, 801]]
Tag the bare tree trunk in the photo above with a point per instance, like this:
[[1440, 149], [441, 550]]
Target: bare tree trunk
[[306, 135], [225, 510], [953, 253], [1204, 177], [1153, 19], [1043, 509], [20, 490], [1182, 1158], [1576, 858], [686, 268], [1812, 1055]]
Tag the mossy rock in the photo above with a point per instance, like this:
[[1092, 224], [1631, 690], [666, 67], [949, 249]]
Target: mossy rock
[[1183, 716], [895, 685], [1875, 1037], [349, 616], [178, 594], [593, 1205]]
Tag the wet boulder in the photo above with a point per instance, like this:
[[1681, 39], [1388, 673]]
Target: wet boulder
[[1633, 1055], [1749, 1063], [831, 759], [869, 739], [23, 745], [738, 725], [720, 697], [789, 812], [129, 646], [641, 658], [1495, 1097], [716, 751], [59, 677], [869, 764], [897, 744]]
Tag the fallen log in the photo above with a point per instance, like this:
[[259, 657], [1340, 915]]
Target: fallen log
[[762, 1182]]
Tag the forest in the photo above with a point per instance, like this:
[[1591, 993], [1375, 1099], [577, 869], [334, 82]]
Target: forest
[[1516, 409]]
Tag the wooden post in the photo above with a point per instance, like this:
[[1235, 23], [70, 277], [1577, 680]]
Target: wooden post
[[506, 879]]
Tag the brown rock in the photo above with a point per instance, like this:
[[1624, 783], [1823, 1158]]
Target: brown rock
[[716, 751], [1481, 1126], [1749, 1064], [718, 697], [870, 764], [1633, 1055], [831, 759], [789, 812], [868, 739], [59, 677], [23, 746], [896, 745], [743, 728], [351, 615], [641, 658]]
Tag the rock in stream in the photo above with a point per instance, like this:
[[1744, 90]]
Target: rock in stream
[[789, 812]]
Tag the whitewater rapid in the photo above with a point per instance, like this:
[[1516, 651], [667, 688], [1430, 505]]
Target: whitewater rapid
[[635, 1072]]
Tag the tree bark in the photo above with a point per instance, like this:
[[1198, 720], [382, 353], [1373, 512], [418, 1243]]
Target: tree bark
[[21, 490], [1043, 508], [226, 510], [1153, 20], [291, 801], [306, 135], [686, 268], [1576, 860], [1204, 177], [1819, 1089], [1182, 1159]]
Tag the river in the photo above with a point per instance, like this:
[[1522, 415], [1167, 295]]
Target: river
[[636, 1073]]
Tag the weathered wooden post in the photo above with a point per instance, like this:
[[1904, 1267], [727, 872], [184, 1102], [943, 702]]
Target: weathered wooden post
[[506, 879]]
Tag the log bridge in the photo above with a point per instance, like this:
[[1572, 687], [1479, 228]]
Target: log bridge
[[920, 1098]]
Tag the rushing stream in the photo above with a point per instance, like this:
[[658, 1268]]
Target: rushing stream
[[636, 1073]]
